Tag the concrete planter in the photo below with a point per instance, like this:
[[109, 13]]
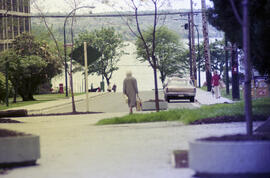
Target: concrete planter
[[230, 157], [151, 105], [19, 149]]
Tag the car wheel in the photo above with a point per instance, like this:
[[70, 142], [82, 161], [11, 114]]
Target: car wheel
[[167, 99], [192, 99]]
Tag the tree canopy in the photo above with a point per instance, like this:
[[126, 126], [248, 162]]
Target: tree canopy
[[168, 52], [31, 64], [78, 54], [109, 44], [222, 17]]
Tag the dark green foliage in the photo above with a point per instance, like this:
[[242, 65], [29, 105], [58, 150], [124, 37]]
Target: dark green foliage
[[3, 87], [92, 54], [31, 64], [108, 43], [169, 51], [218, 59], [222, 17]]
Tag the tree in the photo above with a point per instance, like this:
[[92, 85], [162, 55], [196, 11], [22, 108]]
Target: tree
[[3, 87], [92, 54], [30, 64], [222, 17], [109, 44], [217, 56], [255, 27], [168, 51], [150, 49]]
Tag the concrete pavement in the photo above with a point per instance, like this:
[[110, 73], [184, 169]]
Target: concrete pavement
[[207, 98], [74, 147], [202, 97]]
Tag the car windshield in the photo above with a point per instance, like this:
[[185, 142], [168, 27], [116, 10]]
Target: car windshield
[[179, 82]]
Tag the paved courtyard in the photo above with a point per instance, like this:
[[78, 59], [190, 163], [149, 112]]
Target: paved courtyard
[[74, 147]]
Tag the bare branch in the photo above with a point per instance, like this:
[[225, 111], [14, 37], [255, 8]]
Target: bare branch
[[154, 29], [141, 35], [240, 21], [49, 30]]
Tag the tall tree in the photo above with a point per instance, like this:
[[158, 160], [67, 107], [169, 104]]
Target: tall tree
[[222, 17], [150, 49], [31, 64], [254, 19], [108, 43], [168, 51]]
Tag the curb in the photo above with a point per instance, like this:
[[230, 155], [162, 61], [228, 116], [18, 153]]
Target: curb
[[62, 104]]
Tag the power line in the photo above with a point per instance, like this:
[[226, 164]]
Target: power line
[[116, 15]]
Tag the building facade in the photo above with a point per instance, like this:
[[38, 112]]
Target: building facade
[[14, 19]]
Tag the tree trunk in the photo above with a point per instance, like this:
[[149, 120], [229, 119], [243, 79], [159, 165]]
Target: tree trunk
[[227, 67], [156, 85], [246, 43], [15, 93], [71, 70]]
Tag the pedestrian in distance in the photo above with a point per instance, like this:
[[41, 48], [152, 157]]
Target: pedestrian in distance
[[114, 88], [215, 84], [130, 89]]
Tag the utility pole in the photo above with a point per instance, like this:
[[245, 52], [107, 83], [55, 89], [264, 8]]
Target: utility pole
[[206, 47], [194, 69], [187, 26], [86, 75]]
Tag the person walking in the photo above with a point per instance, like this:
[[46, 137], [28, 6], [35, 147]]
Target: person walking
[[215, 84], [130, 89]]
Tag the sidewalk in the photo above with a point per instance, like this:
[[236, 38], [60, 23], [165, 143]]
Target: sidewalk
[[206, 98], [41, 107], [74, 147]]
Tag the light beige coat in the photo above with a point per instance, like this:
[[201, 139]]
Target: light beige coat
[[131, 90]]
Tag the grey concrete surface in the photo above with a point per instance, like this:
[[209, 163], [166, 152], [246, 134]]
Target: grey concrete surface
[[207, 98], [115, 102], [74, 147], [105, 102]]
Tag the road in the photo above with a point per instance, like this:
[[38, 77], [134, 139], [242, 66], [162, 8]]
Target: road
[[115, 103]]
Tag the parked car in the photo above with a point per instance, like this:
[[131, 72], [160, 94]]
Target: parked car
[[179, 88]]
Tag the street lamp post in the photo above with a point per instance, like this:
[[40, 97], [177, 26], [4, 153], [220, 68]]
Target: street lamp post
[[65, 48]]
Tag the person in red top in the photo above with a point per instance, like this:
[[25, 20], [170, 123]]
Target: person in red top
[[215, 84]]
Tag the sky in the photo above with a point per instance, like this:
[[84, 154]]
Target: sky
[[64, 6]]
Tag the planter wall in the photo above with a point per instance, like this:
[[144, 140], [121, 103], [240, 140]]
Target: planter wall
[[230, 157], [20, 149], [151, 105]]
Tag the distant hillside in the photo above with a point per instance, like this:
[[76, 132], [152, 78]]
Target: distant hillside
[[82, 24]]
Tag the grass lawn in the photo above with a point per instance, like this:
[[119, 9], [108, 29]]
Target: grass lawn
[[39, 99], [260, 107]]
